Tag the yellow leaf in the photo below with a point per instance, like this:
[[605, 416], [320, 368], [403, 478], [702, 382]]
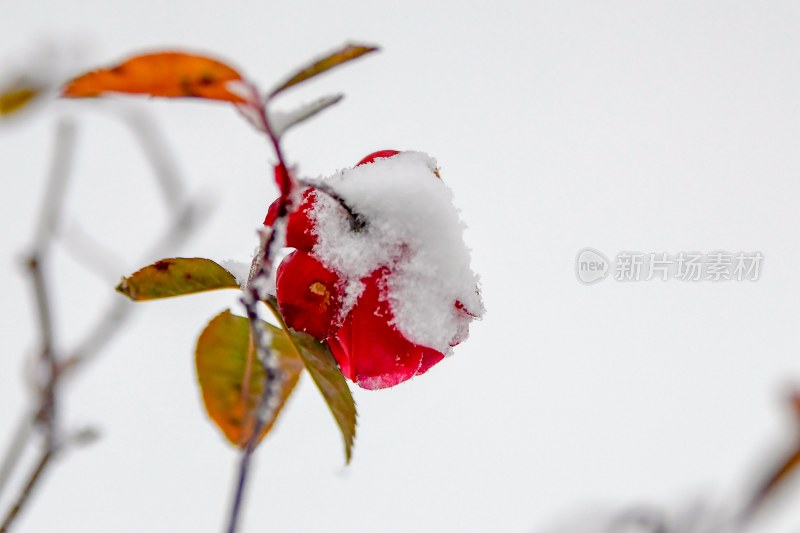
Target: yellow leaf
[[12, 100], [231, 378], [176, 277]]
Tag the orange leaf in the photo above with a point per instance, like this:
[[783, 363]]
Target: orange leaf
[[232, 380], [168, 74]]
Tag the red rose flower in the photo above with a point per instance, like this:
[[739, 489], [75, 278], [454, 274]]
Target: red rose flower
[[308, 294], [370, 350], [380, 154], [359, 328], [298, 225]]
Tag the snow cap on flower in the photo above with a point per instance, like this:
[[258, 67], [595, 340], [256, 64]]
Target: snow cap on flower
[[413, 228]]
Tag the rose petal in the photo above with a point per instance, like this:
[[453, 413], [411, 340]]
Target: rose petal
[[300, 225], [370, 351], [377, 155], [308, 294], [429, 358]]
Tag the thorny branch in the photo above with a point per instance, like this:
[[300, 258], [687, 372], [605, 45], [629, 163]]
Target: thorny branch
[[51, 366], [272, 239]]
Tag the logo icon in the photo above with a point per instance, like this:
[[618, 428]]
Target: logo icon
[[591, 266]]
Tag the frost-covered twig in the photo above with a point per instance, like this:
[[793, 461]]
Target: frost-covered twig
[[268, 403], [272, 239]]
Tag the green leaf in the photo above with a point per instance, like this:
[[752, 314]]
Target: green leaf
[[176, 277], [325, 372], [231, 378], [338, 57]]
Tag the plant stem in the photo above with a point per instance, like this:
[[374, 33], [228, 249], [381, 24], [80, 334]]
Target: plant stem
[[244, 463], [27, 490], [256, 290]]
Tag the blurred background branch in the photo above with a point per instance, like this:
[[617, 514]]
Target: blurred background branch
[[54, 362]]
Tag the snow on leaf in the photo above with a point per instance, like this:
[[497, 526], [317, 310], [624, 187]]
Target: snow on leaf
[[281, 122], [239, 269], [166, 74], [176, 277], [232, 380], [338, 57], [323, 369]]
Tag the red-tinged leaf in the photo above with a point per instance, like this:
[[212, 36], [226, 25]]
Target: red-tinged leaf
[[176, 277], [167, 74], [14, 99], [323, 369], [232, 380], [339, 57]]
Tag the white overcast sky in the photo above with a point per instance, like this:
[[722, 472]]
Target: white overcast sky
[[650, 126]]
